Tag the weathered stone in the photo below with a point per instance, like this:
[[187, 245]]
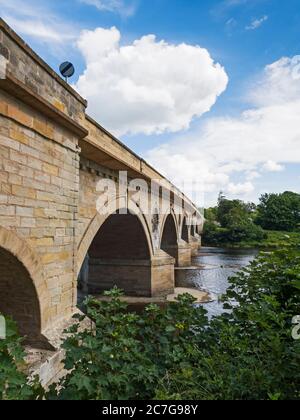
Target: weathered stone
[[49, 223]]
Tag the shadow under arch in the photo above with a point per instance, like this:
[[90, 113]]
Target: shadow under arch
[[184, 230], [167, 219], [23, 290], [169, 236], [98, 221], [116, 250]]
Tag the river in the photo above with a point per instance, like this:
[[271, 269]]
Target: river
[[217, 265]]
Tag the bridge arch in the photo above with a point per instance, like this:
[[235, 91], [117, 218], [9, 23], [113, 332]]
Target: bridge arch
[[98, 221], [169, 236], [23, 290], [169, 221], [116, 250]]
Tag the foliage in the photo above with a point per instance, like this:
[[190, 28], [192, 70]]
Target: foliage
[[248, 353], [212, 234], [242, 231], [233, 223], [279, 211], [233, 212], [210, 214], [274, 239], [126, 354], [175, 352], [13, 381]]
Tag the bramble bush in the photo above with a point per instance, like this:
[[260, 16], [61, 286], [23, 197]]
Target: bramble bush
[[14, 384], [175, 352], [126, 354], [249, 353]]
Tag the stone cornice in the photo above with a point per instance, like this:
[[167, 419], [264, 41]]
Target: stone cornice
[[25, 47], [16, 88]]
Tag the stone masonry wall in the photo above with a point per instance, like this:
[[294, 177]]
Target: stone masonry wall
[[89, 175], [47, 202], [33, 72], [39, 184]]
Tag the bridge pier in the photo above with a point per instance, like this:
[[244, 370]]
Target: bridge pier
[[140, 278], [195, 245], [182, 253], [132, 276], [163, 275]]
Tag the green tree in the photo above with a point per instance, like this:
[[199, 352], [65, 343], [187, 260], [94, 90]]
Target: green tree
[[243, 230], [212, 234], [233, 212], [236, 220], [279, 211], [210, 214]]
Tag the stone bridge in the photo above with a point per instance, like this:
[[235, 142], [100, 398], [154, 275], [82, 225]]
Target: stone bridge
[[78, 209]]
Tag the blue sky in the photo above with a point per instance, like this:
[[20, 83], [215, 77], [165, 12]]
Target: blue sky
[[248, 62]]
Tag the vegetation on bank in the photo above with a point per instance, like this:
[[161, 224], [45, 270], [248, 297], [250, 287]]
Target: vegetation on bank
[[176, 352], [272, 240], [274, 223], [279, 239], [14, 384]]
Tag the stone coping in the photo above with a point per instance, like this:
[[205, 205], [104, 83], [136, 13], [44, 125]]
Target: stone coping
[[15, 87], [25, 47]]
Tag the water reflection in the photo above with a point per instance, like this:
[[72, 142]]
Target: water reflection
[[217, 265]]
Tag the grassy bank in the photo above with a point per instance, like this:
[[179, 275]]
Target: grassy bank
[[275, 239]]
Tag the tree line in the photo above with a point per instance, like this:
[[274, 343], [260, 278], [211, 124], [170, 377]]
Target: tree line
[[235, 221]]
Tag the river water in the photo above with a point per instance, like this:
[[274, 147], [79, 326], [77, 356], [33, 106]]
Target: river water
[[217, 265]]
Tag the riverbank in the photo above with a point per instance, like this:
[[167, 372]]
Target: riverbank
[[139, 303], [274, 240]]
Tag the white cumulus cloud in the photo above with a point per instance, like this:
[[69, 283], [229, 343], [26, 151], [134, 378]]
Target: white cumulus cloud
[[148, 86], [264, 137], [240, 188], [271, 166]]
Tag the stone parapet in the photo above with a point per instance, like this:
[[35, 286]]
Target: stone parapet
[[29, 69]]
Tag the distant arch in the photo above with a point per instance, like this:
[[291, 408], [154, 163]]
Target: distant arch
[[185, 231], [171, 221], [169, 237]]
